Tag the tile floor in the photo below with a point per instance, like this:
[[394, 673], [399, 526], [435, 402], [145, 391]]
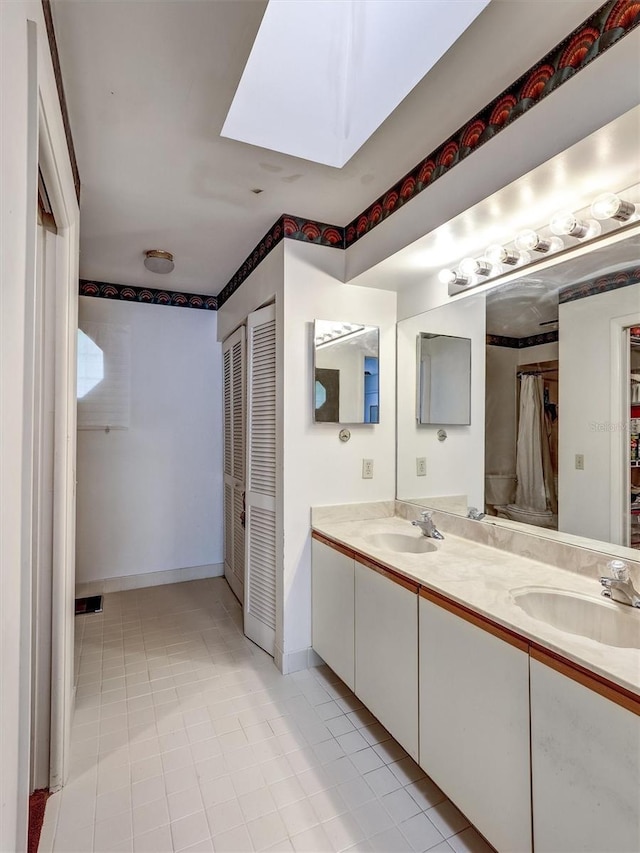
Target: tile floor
[[187, 738]]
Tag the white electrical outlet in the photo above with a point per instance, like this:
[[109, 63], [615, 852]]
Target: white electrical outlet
[[579, 461], [367, 469], [421, 466]]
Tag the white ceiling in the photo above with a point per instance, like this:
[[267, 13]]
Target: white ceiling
[[524, 306], [149, 84]]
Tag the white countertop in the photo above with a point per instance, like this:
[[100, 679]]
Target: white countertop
[[483, 578]]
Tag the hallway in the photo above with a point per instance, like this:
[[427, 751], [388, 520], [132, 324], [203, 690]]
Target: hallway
[[187, 738]]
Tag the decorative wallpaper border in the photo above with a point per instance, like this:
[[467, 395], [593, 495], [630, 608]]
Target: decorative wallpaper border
[[292, 227], [521, 343], [148, 295], [606, 26], [602, 284]]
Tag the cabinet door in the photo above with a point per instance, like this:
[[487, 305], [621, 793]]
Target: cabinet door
[[474, 724], [332, 609], [585, 754], [387, 654]]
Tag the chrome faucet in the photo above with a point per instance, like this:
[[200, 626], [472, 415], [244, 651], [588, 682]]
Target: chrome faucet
[[427, 526], [475, 514], [619, 587]]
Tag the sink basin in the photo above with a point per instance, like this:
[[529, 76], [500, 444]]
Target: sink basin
[[594, 618], [401, 543]]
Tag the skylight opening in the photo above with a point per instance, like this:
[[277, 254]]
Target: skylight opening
[[323, 75]]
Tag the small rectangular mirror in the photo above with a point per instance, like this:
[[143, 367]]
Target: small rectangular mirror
[[346, 374], [444, 380]]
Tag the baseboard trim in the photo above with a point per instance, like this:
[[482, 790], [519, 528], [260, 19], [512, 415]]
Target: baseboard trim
[[105, 585], [296, 661]]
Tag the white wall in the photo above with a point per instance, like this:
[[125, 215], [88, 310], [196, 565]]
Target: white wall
[[454, 466], [586, 423], [150, 497], [18, 170], [318, 468]]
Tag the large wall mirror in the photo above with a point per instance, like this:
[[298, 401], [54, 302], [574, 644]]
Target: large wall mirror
[[555, 404], [346, 373]]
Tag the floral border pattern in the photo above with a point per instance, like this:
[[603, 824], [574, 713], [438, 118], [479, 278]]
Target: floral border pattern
[[148, 295], [521, 343], [622, 278]]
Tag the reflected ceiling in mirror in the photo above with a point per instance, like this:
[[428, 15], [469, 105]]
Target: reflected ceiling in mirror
[[346, 373]]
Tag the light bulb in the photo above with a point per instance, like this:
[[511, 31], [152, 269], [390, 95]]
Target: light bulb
[[611, 206], [446, 276], [530, 241], [565, 223], [449, 277], [475, 266], [498, 254]]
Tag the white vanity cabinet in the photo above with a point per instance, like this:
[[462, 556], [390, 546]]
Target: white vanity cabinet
[[585, 751], [332, 578], [387, 651], [474, 721]]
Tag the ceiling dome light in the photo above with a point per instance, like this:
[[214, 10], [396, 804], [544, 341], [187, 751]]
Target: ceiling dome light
[[447, 276], [498, 254], [530, 241], [475, 266], [158, 261], [611, 206]]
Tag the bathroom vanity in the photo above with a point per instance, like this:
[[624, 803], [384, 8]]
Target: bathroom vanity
[[496, 672]]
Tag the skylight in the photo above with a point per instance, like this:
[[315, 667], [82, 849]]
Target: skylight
[[323, 75]]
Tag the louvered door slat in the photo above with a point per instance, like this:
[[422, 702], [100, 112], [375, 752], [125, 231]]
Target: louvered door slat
[[228, 403], [262, 581], [238, 411], [228, 527], [238, 536], [263, 553], [234, 459]]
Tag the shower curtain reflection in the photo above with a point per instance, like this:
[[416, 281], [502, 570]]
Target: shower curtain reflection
[[535, 489]]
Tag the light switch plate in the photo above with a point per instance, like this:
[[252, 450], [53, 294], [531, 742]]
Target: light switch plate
[[421, 466], [367, 469], [579, 461]]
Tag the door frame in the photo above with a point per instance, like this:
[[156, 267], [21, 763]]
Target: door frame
[[52, 159], [620, 476]]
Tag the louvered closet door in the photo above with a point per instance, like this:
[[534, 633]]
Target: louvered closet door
[[233, 362], [262, 543]]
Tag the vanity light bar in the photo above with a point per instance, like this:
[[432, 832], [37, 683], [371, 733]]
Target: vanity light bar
[[339, 333], [530, 243]]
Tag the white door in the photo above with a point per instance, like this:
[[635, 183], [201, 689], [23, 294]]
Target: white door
[[233, 359], [262, 555]]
